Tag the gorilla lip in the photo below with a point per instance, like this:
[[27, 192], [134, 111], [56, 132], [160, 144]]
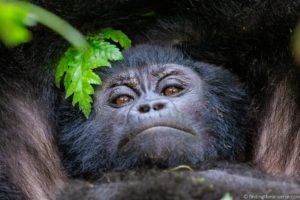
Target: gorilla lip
[[181, 129], [169, 127]]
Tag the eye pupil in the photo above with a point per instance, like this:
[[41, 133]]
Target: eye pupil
[[122, 100], [169, 91]]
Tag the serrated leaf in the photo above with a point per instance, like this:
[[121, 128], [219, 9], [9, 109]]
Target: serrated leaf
[[97, 59], [76, 67], [68, 80], [92, 78], [76, 98], [116, 36], [109, 51], [61, 70], [76, 81], [70, 90], [88, 89], [100, 63], [85, 105]]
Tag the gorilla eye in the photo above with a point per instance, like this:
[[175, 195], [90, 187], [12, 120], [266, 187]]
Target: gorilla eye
[[171, 91], [121, 100]]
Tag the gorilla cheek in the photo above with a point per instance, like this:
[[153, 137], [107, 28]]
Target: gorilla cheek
[[110, 133]]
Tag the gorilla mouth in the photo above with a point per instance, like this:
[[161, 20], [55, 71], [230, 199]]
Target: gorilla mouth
[[171, 128], [164, 129]]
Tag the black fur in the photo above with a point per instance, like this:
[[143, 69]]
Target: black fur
[[249, 38], [239, 181]]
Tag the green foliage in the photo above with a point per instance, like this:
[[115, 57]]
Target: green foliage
[[76, 66], [116, 36], [227, 196], [16, 15], [13, 20]]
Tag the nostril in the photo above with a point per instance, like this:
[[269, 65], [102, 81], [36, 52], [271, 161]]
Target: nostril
[[158, 106], [144, 108]]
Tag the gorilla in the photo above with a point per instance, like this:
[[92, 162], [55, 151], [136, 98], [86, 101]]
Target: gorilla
[[160, 109], [157, 108], [208, 84]]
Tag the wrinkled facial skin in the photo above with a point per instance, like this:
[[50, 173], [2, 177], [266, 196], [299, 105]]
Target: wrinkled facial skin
[[156, 108], [160, 122]]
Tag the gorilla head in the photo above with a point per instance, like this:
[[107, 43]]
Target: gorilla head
[[157, 108]]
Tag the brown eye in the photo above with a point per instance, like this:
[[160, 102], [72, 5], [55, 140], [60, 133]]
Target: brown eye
[[121, 100], [172, 90]]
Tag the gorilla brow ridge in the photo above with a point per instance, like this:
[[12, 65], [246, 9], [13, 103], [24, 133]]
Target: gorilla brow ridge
[[127, 81], [132, 81]]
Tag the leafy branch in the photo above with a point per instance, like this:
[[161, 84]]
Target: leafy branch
[[77, 64]]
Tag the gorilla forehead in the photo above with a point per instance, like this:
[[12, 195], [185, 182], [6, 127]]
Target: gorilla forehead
[[147, 55]]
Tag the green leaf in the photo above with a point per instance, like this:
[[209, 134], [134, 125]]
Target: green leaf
[[75, 84], [13, 20], [116, 36], [109, 51], [85, 105], [92, 78], [227, 196], [76, 69], [62, 68]]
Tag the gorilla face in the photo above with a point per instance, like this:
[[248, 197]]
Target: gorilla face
[[154, 115], [157, 108]]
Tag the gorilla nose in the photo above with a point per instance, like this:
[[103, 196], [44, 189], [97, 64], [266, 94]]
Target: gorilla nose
[[153, 105]]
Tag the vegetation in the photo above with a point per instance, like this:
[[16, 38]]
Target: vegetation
[[77, 64]]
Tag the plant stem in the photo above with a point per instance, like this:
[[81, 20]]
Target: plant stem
[[57, 24]]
